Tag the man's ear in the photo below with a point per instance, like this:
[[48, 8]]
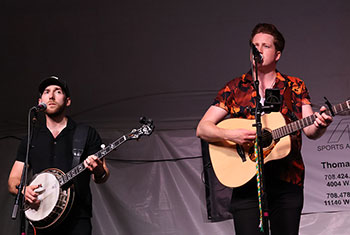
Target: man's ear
[[278, 55], [39, 100], [68, 101]]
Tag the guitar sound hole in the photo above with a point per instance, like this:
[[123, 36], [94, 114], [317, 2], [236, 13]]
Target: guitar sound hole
[[266, 138]]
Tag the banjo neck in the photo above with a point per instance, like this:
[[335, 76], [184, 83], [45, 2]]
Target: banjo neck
[[145, 129], [70, 175]]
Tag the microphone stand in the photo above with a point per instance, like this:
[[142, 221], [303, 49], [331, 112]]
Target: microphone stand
[[20, 199], [260, 160]]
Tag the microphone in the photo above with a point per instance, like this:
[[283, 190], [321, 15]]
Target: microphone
[[256, 53], [40, 107]]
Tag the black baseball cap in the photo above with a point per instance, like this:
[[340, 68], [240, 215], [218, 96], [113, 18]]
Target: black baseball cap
[[53, 80]]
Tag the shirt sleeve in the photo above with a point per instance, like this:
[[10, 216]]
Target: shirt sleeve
[[222, 98], [21, 151]]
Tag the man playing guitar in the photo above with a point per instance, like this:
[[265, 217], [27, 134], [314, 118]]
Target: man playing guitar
[[284, 177]]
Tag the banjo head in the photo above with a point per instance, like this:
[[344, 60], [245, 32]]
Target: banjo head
[[48, 197]]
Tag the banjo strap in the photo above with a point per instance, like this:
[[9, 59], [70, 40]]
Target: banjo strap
[[79, 141]]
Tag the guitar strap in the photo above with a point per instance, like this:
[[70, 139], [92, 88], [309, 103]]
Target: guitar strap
[[79, 141]]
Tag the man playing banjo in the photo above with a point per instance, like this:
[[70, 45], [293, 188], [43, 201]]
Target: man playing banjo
[[52, 147]]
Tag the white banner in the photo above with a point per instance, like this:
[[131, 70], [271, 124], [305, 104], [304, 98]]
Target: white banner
[[327, 162]]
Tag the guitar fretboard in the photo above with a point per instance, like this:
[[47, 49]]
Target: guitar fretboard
[[100, 154], [300, 124]]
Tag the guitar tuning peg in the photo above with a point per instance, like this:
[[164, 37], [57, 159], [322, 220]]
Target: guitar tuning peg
[[103, 146], [150, 121], [145, 120]]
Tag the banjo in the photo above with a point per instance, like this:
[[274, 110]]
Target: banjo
[[56, 193]]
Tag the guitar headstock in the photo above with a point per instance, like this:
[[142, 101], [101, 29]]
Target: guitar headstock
[[146, 129]]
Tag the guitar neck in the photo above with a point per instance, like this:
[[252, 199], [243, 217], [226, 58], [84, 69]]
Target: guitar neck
[[70, 175], [304, 122]]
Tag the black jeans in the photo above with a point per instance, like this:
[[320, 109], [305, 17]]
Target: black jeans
[[285, 203]]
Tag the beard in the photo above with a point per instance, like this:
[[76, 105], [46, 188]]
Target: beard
[[58, 111]]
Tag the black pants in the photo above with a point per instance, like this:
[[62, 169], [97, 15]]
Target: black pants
[[285, 203], [70, 226]]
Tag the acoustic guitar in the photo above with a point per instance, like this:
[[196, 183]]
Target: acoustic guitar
[[234, 165]]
